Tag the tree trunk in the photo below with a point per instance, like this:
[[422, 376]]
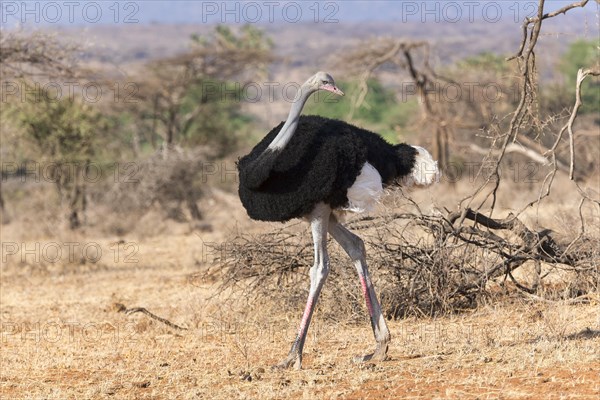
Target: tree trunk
[[3, 214], [193, 207]]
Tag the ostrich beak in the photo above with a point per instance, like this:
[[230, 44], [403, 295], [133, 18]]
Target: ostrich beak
[[333, 89]]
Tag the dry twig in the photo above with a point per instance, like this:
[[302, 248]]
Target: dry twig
[[425, 264], [121, 308]]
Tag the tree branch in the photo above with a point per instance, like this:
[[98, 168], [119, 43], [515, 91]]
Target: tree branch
[[121, 308], [528, 21]]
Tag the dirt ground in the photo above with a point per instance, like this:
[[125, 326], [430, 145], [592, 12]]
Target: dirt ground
[[63, 335]]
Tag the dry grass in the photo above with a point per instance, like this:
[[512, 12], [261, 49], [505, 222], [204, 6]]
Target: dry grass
[[421, 265], [63, 337]]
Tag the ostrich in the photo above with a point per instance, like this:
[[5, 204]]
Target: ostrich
[[312, 167]]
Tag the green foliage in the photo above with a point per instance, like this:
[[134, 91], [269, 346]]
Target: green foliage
[[380, 111], [195, 98], [67, 133], [582, 54], [485, 61], [221, 120], [249, 38], [64, 130]]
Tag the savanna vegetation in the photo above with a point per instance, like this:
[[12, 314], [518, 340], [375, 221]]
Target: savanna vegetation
[[148, 280]]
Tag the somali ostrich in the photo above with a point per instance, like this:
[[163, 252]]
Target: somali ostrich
[[310, 167]]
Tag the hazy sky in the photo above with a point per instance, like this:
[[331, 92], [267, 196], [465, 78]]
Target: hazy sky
[[81, 13]]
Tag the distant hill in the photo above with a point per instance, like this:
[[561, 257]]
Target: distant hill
[[303, 48], [309, 45]]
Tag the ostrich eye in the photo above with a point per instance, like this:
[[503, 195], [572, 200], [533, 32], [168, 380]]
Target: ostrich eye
[[324, 82]]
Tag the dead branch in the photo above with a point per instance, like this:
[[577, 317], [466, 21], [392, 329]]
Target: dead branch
[[403, 55], [539, 18], [36, 55], [525, 115], [425, 264], [519, 149], [522, 112], [581, 75], [121, 308], [539, 245], [379, 52]]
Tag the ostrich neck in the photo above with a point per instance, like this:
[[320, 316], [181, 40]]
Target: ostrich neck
[[289, 128]]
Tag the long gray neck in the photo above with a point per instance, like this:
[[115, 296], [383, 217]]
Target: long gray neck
[[289, 128]]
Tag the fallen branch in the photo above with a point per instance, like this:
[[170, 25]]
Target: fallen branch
[[121, 308], [426, 264], [523, 150], [583, 299]]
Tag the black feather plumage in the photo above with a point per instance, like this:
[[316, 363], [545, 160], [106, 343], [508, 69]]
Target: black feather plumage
[[319, 164]]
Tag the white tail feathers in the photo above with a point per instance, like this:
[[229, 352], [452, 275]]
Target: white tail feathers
[[425, 172], [366, 191]]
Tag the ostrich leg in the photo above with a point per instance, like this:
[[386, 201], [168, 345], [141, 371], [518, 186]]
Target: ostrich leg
[[319, 220], [355, 248]]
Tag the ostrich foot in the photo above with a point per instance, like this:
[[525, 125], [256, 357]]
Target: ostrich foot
[[292, 359], [380, 354]]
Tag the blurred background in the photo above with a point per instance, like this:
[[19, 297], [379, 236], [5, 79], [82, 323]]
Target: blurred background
[[120, 126], [95, 95]]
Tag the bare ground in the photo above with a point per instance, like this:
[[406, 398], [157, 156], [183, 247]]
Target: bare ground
[[63, 336], [66, 339]]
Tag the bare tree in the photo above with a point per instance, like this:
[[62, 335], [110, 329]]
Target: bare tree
[[184, 103], [62, 128], [35, 55], [198, 86]]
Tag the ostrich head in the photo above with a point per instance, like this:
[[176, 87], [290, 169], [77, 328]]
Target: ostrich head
[[323, 81]]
